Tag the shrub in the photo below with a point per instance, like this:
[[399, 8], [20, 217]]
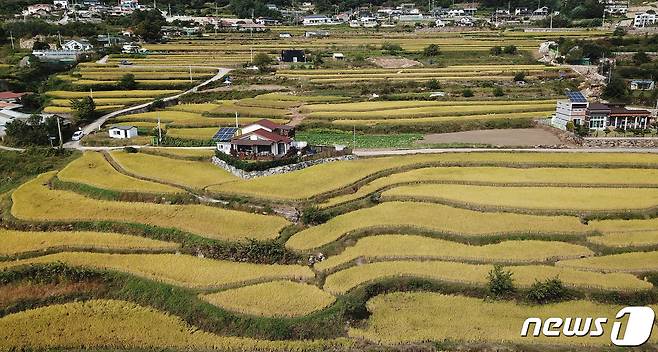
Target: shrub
[[433, 84], [467, 93], [519, 77], [570, 126], [431, 50], [127, 82], [496, 50], [130, 150], [314, 216], [511, 50], [500, 282], [498, 92], [551, 290], [391, 48]]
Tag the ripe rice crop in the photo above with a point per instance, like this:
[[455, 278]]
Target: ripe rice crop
[[508, 176], [102, 324], [385, 247], [431, 121], [301, 98], [16, 242], [112, 76], [627, 239], [194, 174], [34, 201], [524, 276], [205, 133], [177, 269], [182, 152], [634, 262], [265, 103], [557, 198], [181, 119], [272, 299], [608, 226], [432, 217], [112, 94], [319, 179], [434, 111], [422, 316], [92, 169], [69, 110], [103, 101], [407, 104], [194, 108], [141, 82], [418, 70], [230, 108]]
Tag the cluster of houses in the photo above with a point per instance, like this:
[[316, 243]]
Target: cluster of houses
[[81, 10], [576, 109], [10, 103]]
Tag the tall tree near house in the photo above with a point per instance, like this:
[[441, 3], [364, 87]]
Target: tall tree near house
[[148, 25], [84, 109], [127, 82]]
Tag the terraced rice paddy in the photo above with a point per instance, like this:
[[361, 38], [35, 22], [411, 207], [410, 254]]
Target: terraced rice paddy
[[634, 262], [112, 94], [120, 324], [92, 169], [182, 152], [536, 198], [17, 242], [202, 134], [34, 201], [412, 317], [273, 299], [627, 239], [507, 176], [343, 281], [182, 119], [176, 269], [435, 218], [387, 247], [193, 174]]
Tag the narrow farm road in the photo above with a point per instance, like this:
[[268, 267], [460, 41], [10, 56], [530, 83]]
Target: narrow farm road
[[96, 125], [2, 147]]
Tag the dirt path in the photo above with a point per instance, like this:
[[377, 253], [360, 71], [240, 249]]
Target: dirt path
[[522, 137], [296, 116]]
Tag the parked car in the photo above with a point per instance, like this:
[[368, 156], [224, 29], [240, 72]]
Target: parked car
[[77, 135], [126, 62]]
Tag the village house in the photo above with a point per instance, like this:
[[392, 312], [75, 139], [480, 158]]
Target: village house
[[573, 109], [596, 116], [123, 132], [293, 56], [11, 97], [77, 45], [644, 19], [642, 84], [262, 138]]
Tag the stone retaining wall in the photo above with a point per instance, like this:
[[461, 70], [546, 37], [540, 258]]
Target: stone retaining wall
[[621, 142], [276, 170]]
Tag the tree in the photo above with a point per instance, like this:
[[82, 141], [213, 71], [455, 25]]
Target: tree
[[39, 45], [501, 282], [84, 109], [262, 61], [616, 90], [510, 50], [496, 50], [467, 93], [640, 58], [391, 48], [498, 92], [519, 77], [33, 132], [433, 84], [431, 50], [619, 32], [127, 82], [148, 24]]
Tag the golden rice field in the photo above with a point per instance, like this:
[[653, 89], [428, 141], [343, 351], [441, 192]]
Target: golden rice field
[[194, 108], [140, 76], [507, 176], [182, 119], [193, 174], [391, 247], [124, 325], [69, 110], [272, 299], [429, 121], [16, 242], [112, 94], [434, 111], [176, 269], [320, 179], [633, 262], [174, 83], [534, 198], [34, 201], [627, 239], [435, 218], [92, 169], [372, 106], [423, 316], [524, 276], [309, 99], [204, 133], [229, 108], [103, 101], [182, 152]]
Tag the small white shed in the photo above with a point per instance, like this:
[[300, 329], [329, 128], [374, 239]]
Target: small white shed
[[123, 132]]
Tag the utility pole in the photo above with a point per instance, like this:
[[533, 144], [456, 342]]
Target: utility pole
[[59, 35], [190, 73], [353, 137], [59, 131], [236, 119], [11, 37], [159, 130], [91, 93]]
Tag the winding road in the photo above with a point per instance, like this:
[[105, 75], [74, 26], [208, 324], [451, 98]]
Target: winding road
[[96, 125]]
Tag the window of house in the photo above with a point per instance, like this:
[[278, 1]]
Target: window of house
[[597, 122]]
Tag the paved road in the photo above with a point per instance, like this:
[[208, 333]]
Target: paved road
[[96, 125], [384, 152], [2, 147]]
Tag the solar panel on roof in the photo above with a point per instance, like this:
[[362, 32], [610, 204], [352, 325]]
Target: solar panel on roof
[[224, 134], [576, 97]]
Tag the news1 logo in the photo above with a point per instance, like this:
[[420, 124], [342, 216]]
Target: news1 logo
[[637, 330]]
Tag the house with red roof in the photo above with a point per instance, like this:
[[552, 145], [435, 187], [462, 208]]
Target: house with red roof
[[262, 138], [11, 97]]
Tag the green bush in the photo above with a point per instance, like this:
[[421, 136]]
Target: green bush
[[500, 282], [467, 93], [314, 216], [551, 290], [498, 92]]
